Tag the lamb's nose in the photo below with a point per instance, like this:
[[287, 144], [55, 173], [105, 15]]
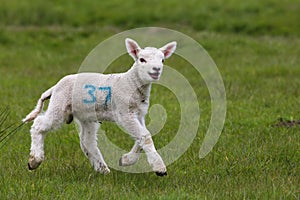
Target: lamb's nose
[[156, 69]]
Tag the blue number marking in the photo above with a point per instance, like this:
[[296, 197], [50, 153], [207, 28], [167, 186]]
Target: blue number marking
[[108, 95], [91, 92]]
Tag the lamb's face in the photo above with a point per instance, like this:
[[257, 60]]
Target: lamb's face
[[149, 61], [150, 64]]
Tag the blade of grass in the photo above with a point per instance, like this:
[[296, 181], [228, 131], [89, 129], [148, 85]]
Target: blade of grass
[[8, 135]]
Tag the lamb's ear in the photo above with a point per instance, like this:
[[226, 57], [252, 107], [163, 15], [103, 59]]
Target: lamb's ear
[[132, 48], [168, 49]]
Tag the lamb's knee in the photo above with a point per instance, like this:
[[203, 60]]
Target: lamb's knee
[[45, 123], [40, 125], [147, 144]]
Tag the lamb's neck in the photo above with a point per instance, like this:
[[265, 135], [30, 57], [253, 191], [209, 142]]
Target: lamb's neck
[[132, 77]]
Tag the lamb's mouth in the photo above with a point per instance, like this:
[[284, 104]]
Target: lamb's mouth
[[154, 75]]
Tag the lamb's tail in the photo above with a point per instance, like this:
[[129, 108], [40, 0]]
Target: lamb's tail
[[39, 106]]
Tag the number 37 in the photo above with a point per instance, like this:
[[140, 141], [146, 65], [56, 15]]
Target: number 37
[[91, 90]]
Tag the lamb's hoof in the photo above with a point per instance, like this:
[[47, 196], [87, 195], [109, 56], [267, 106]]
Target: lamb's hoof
[[105, 170], [33, 163], [29, 167], [161, 173], [33, 167]]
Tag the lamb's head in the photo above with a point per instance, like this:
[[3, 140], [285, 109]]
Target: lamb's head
[[149, 61]]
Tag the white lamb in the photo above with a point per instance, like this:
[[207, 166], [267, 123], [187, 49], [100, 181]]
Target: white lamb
[[91, 98]]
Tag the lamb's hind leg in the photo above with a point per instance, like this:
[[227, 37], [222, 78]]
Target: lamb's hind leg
[[41, 125], [88, 144]]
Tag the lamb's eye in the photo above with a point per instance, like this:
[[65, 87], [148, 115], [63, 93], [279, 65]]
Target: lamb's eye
[[163, 60], [143, 60]]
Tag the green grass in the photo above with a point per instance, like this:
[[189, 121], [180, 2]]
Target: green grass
[[257, 53], [253, 17]]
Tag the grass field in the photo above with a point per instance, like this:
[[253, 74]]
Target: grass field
[[256, 47]]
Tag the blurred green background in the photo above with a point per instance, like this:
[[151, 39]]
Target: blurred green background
[[267, 17]]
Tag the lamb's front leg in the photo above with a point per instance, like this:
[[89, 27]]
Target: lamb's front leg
[[153, 157], [131, 157], [145, 142]]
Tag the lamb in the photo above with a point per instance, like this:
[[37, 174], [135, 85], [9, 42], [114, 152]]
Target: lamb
[[90, 98]]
